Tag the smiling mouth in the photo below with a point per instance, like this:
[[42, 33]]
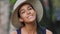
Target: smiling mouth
[[30, 16]]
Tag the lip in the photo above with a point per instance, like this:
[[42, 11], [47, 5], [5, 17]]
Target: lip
[[30, 16]]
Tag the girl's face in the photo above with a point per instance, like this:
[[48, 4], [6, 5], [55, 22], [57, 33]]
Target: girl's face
[[27, 13]]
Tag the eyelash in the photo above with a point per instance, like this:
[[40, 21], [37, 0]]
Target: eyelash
[[23, 12]]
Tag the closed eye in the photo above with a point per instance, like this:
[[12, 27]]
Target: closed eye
[[22, 11]]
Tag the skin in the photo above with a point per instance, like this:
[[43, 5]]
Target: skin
[[28, 16]]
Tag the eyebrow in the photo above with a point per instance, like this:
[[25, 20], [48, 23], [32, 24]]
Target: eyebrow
[[29, 6], [21, 9]]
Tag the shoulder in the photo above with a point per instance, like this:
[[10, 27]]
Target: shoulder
[[14, 32], [48, 31]]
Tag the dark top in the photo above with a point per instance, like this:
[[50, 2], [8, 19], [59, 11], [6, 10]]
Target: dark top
[[40, 30]]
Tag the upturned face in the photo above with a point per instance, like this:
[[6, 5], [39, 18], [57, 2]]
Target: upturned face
[[27, 14]]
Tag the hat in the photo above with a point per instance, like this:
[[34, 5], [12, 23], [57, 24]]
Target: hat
[[36, 5]]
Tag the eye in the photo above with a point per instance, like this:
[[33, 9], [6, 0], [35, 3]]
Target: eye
[[22, 11]]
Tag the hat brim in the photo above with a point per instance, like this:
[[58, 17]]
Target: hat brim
[[36, 5]]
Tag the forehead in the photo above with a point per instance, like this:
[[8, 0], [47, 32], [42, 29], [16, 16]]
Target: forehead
[[25, 6]]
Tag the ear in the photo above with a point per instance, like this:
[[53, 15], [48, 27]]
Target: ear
[[20, 19]]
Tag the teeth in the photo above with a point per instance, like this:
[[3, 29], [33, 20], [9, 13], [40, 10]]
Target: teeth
[[29, 16]]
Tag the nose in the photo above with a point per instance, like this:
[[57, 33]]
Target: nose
[[28, 12]]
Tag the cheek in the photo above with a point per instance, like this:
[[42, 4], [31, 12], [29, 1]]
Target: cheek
[[23, 16], [33, 12]]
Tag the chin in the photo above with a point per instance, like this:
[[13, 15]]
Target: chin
[[30, 21]]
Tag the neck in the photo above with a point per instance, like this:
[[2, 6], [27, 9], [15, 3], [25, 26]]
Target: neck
[[31, 26]]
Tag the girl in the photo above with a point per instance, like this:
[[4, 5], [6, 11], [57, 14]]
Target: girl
[[26, 16]]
